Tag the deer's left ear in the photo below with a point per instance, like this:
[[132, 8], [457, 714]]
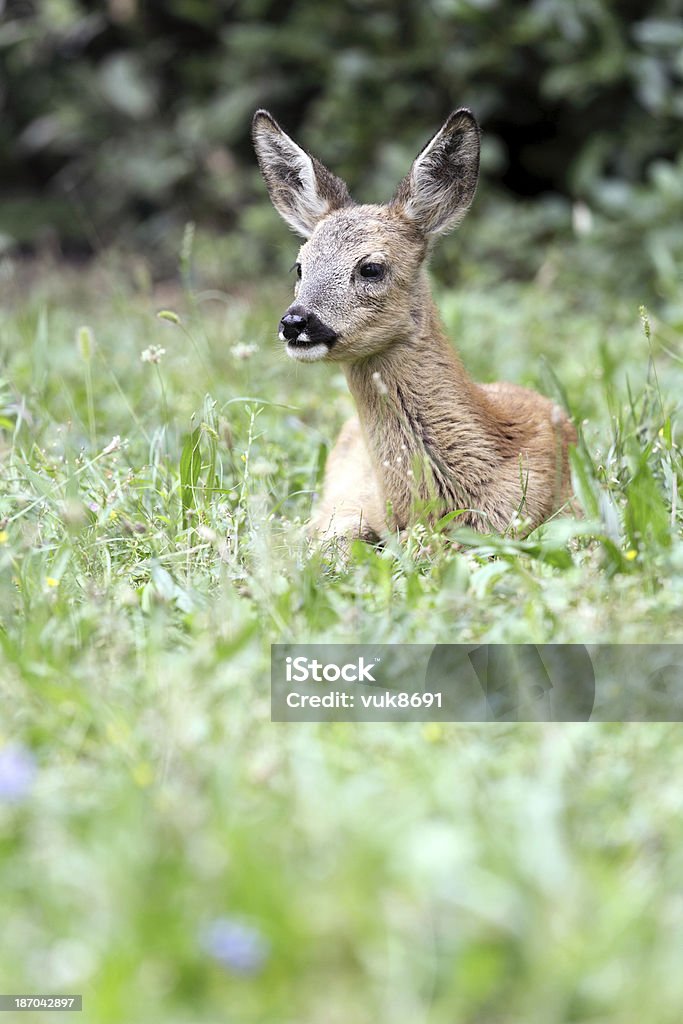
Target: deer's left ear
[[438, 191], [302, 189]]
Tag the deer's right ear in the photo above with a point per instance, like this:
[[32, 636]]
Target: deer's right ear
[[302, 189]]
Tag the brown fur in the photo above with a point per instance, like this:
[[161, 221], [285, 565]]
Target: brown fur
[[426, 437], [497, 451]]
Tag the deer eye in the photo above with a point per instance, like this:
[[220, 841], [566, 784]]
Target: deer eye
[[372, 271]]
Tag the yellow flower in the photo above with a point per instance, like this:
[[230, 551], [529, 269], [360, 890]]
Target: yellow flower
[[432, 732], [4, 536], [117, 733], [143, 775], [51, 581], [630, 555]]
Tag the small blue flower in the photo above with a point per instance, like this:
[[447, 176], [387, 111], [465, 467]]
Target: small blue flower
[[17, 772], [236, 945]]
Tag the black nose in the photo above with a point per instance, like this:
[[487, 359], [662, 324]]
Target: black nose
[[292, 325]]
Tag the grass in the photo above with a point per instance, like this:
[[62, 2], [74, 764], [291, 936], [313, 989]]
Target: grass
[[173, 855]]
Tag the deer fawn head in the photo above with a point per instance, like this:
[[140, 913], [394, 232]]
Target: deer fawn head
[[361, 286]]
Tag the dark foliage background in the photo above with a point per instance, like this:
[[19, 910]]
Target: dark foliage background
[[122, 121]]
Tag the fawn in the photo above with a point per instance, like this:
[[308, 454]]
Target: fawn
[[426, 436]]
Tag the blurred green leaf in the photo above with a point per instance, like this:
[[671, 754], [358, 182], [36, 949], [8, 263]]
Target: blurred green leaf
[[190, 468]]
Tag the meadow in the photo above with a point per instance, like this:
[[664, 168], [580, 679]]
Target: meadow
[[172, 854]]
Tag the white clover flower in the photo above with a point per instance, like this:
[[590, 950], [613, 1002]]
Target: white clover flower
[[153, 354], [242, 351]]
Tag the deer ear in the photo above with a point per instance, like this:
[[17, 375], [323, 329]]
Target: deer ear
[[302, 189], [438, 191]]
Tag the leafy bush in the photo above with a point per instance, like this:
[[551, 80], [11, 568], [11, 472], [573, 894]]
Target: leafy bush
[[122, 122]]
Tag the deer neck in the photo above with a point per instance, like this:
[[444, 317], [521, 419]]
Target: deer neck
[[429, 433]]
